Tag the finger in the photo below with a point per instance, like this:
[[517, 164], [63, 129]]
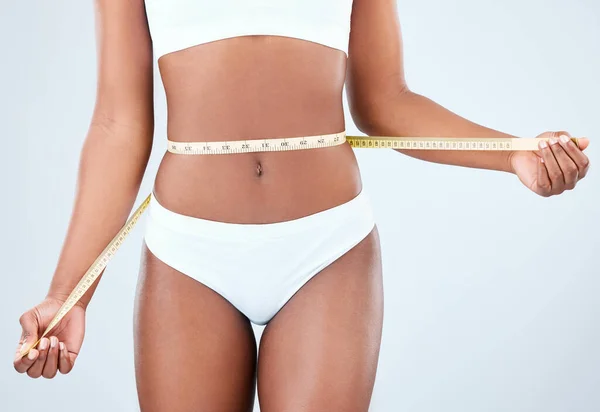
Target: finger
[[64, 361], [51, 366], [583, 143], [22, 365], [36, 369], [556, 134], [581, 160], [18, 353], [20, 345], [567, 165], [543, 181], [557, 180], [29, 325]]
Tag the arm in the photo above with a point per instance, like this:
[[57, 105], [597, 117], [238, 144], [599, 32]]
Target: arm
[[381, 102], [117, 147]]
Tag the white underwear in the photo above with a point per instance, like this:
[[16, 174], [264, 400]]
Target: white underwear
[[257, 267]]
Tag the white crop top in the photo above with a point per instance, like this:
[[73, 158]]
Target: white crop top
[[179, 24]]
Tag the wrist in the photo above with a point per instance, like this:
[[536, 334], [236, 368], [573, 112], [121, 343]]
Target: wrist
[[508, 162], [63, 296]]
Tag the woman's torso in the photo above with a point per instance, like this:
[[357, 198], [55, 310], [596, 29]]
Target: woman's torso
[[255, 87]]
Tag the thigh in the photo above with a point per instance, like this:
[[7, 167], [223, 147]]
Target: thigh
[[320, 352], [193, 350]]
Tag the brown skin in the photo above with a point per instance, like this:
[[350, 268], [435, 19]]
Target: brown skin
[[193, 349], [113, 160], [383, 105]]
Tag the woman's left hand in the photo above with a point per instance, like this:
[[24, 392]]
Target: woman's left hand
[[557, 166]]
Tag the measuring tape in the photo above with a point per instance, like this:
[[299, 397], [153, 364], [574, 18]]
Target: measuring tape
[[360, 142], [285, 144], [94, 271]]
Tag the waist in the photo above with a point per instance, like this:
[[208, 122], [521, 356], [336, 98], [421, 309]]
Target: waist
[[258, 187]]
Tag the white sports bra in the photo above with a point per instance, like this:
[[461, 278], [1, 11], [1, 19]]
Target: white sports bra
[[179, 24]]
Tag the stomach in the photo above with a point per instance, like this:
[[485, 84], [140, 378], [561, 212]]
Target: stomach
[[255, 87]]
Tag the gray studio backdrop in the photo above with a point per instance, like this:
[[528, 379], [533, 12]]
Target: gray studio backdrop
[[491, 292]]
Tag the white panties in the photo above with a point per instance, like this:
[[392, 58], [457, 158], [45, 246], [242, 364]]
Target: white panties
[[257, 267]]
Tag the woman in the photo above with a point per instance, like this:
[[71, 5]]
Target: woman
[[285, 239]]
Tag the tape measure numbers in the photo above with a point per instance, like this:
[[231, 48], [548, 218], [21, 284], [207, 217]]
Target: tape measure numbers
[[94, 271], [283, 144], [448, 143], [360, 142]]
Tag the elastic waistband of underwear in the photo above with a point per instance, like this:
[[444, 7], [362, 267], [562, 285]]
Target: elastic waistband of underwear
[[357, 208]]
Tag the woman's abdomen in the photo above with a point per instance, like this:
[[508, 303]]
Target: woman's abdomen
[[255, 87]]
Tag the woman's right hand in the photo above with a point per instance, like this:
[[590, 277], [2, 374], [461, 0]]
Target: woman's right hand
[[58, 350]]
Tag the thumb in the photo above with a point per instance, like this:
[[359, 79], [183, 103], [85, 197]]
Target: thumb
[[29, 324], [583, 143]]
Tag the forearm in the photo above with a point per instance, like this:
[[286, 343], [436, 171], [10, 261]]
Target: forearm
[[112, 163], [410, 114]]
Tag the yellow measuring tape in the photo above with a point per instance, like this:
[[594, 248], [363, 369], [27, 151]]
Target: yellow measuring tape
[[284, 144], [360, 142]]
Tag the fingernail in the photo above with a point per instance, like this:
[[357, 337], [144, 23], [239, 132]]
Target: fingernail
[[564, 139], [542, 160], [543, 144], [553, 140], [30, 355], [61, 346], [43, 344], [53, 341]]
